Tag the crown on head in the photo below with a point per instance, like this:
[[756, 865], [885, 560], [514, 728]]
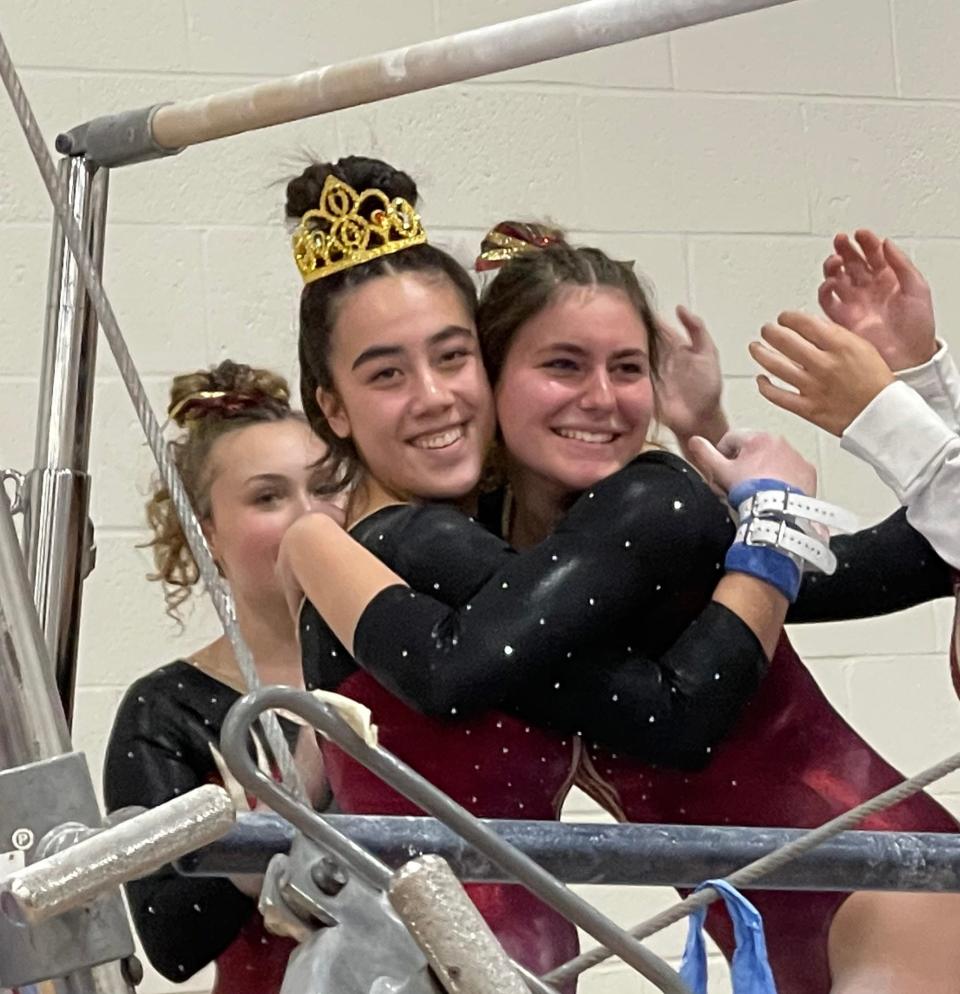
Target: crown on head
[[511, 239], [335, 236]]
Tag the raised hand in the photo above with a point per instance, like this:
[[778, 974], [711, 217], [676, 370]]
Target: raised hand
[[873, 289], [835, 372], [689, 381], [751, 455]]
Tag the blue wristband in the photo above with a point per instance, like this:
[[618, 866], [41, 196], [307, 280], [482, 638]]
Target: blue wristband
[[767, 564], [749, 488], [761, 561]]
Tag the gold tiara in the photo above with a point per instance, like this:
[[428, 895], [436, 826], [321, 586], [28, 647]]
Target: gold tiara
[[511, 239], [335, 236]]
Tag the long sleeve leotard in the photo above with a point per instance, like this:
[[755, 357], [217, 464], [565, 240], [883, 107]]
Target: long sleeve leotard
[[590, 631], [688, 682], [629, 572]]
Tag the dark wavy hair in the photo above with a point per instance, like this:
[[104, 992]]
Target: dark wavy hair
[[320, 299]]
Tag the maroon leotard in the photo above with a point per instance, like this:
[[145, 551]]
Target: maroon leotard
[[496, 766], [610, 579], [791, 762]]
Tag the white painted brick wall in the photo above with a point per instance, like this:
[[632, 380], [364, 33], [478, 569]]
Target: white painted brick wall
[[721, 158]]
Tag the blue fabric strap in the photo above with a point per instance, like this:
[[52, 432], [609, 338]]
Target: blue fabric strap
[[764, 563], [750, 971], [745, 490]]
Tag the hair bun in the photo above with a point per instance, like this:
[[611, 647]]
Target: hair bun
[[511, 239], [360, 172], [222, 388]]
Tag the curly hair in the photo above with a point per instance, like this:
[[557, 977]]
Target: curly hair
[[205, 405]]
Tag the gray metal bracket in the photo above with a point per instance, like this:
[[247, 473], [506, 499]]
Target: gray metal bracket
[[116, 139], [350, 937], [16, 498], [57, 493], [34, 800]]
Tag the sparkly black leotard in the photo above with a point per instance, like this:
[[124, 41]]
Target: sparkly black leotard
[[487, 627], [518, 761], [163, 744], [519, 643]]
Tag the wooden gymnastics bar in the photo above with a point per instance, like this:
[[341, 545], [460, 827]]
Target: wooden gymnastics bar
[[168, 128]]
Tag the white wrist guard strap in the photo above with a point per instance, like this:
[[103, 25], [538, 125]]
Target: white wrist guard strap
[[797, 544], [782, 503]]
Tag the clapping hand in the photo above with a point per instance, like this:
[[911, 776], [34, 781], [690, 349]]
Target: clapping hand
[[873, 289]]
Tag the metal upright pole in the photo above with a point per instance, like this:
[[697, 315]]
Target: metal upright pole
[[32, 725], [57, 536], [32, 722], [38, 662]]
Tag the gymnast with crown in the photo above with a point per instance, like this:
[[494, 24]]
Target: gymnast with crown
[[635, 644], [506, 676]]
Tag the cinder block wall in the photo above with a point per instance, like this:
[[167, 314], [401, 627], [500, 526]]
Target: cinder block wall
[[721, 158]]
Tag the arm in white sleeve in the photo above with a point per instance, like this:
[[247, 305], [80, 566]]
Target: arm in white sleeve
[[938, 382], [918, 456]]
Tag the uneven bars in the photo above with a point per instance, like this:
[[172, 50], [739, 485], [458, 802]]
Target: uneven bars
[[165, 129]]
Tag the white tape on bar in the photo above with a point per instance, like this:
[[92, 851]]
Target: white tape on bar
[[579, 27]]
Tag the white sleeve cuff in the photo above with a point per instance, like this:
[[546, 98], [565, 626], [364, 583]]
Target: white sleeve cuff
[[901, 437], [938, 382]]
